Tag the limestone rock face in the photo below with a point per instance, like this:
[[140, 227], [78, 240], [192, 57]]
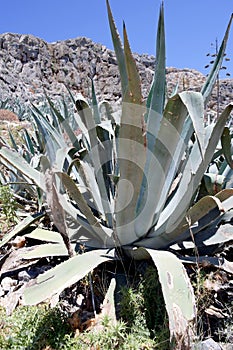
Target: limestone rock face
[[29, 66]]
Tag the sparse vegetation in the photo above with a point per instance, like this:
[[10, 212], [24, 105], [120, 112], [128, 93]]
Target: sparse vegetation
[[143, 310], [40, 327], [8, 206], [33, 328]]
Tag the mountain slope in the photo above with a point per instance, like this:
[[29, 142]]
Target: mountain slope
[[29, 66]]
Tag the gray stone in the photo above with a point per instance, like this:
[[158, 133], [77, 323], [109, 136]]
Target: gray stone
[[2, 292], [27, 275], [24, 276], [208, 344], [8, 284]]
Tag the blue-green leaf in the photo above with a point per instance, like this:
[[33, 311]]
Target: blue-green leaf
[[226, 146], [64, 275], [177, 293], [118, 51], [157, 93]]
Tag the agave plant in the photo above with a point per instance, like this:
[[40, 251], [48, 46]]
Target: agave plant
[[127, 187], [33, 145], [219, 174]]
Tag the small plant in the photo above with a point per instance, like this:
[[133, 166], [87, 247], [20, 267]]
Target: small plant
[[225, 332], [143, 310], [38, 328], [132, 309], [33, 328], [204, 298], [157, 319], [8, 205]]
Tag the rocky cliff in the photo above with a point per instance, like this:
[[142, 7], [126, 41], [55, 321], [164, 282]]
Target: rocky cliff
[[29, 66]]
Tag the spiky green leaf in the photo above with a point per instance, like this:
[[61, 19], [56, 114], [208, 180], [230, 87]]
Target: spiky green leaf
[[118, 51]]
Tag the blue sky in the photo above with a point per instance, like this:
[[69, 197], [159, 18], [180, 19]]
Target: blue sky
[[191, 25]]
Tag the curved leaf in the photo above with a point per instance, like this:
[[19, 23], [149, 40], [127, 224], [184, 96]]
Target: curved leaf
[[95, 105], [76, 195], [205, 212], [157, 93], [94, 153], [20, 164], [45, 235], [196, 166], [226, 146], [195, 107], [177, 293], [163, 165], [86, 171], [118, 51], [64, 275], [46, 250], [28, 142], [21, 226], [131, 151]]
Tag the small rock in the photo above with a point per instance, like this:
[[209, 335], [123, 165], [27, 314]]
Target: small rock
[[19, 242], [24, 276], [208, 344], [8, 283], [79, 299], [2, 293]]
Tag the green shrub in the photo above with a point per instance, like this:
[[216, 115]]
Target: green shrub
[[142, 308], [8, 204], [33, 328], [37, 328]]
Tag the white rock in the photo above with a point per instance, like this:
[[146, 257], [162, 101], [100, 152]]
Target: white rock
[[8, 283]]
